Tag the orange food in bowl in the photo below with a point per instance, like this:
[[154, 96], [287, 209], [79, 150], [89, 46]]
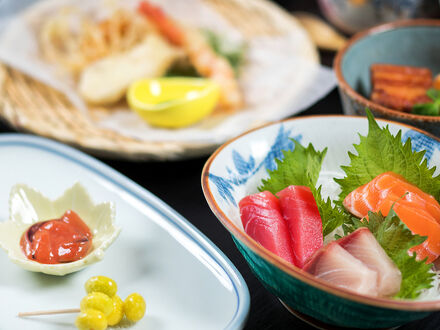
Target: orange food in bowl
[[436, 84], [400, 87]]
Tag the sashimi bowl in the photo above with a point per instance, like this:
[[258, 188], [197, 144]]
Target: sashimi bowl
[[237, 169]]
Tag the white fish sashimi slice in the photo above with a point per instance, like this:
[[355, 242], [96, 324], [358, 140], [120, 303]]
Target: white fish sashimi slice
[[362, 245], [335, 265]]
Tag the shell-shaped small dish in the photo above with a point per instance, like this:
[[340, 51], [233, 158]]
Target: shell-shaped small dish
[[28, 206]]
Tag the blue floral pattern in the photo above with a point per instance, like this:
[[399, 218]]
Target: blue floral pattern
[[421, 142], [245, 169]]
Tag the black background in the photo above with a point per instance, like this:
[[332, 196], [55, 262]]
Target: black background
[[178, 184]]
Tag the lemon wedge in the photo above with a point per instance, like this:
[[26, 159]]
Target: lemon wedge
[[173, 102]]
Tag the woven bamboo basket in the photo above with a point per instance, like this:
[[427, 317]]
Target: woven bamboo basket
[[30, 106]]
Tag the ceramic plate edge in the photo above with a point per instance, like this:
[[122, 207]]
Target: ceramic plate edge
[[99, 168]]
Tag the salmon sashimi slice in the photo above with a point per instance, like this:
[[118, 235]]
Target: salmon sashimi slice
[[301, 213], [362, 245], [424, 251], [420, 222], [262, 220], [334, 264], [362, 200], [417, 209], [396, 184], [367, 197]]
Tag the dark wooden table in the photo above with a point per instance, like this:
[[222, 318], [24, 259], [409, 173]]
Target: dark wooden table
[[178, 184]]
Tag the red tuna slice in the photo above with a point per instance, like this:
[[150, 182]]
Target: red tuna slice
[[335, 265], [299, 208], [262, 220], [362, 245]]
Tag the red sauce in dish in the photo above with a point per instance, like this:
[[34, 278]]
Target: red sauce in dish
[[57, 241]]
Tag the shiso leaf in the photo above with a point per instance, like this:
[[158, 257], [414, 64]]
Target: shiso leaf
[[332, 216], [395, 238], [379, 152], [301, 167]]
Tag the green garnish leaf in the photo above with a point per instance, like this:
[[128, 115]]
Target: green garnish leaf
[[380, 152], [182, 69], [301, 167], [332, 216], [429, 108], [232, 51], [426, 109], [434, 94], [395, 238]]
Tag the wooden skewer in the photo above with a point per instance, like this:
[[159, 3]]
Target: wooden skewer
[[49, 312]]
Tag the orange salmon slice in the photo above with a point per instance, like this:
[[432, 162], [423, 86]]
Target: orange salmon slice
[[391, 183], [417, 209]]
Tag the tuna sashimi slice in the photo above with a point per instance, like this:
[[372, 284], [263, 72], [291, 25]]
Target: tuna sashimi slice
[[335, 265], [362, 245], [299, 208], [262, 220]]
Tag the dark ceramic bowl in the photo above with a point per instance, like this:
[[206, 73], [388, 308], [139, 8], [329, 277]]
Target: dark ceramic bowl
[[409, 42], [354, 16]]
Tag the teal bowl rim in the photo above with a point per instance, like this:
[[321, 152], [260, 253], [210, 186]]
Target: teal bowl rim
[[347, 89], [297, 273]]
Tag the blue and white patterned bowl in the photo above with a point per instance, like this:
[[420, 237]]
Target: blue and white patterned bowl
[[235, 170]]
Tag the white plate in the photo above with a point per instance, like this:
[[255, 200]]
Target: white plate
[[281, 72], [186, 281]]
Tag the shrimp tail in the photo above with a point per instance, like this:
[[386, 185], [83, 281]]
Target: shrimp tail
[[166, 25], [200, 54]]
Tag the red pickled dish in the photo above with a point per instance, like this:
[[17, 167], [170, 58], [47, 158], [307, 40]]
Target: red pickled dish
[[62, 240]]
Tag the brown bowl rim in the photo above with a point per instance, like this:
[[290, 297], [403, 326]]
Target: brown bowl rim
[[346, 88], [268, 256]]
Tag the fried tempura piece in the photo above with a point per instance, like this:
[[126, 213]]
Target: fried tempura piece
[[201, 55], [105, 81], [400, 87], [73, 50]]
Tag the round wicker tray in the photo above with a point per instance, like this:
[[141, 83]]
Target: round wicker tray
[[30, 106]]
